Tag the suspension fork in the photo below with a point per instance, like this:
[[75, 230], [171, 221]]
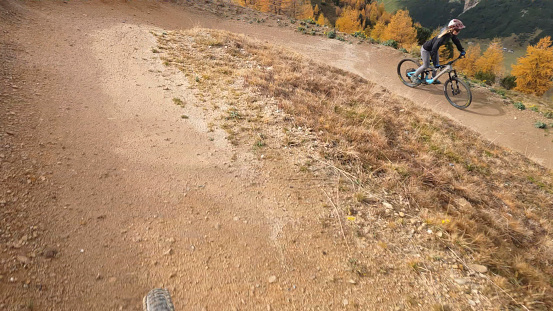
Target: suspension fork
[[452, 74]]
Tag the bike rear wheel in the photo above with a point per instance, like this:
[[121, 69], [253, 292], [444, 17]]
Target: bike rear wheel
[[405, 69], [457, 93], [158, 299]]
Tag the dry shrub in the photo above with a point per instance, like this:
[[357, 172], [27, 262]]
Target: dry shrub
[[395, 147]]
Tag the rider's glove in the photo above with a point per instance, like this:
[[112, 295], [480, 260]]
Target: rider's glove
[[463, 53]]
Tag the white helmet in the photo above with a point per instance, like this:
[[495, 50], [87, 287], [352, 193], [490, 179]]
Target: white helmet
[[456, 24]]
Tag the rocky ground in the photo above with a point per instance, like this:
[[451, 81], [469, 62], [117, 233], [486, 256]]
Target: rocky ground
[[107, 191]]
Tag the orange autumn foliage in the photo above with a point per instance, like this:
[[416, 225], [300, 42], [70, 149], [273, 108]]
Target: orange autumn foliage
[[467, 65], [492, 59], [348, 21], [401, 29], [534, 71]]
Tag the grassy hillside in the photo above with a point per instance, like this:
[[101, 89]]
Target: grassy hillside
[[489, 19], [495, 18], [488, 204]]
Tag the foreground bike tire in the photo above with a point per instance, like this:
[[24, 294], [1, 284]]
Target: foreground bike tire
[[458, 93], [158, 299], [404, 68]]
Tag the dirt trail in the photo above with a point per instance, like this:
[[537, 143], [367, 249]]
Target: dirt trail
[[134, 198]]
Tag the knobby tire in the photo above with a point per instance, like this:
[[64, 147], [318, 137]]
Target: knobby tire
[[458, 93], [405, 66], [158, 300]]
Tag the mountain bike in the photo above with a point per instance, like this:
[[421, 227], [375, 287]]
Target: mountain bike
[[456, 90], [158, 299]]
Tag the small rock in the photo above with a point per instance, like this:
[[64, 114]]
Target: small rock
[[272, 279], [168, 252], [23, 259], [478, 268], [460, 281], [49, 252], [401, 214]]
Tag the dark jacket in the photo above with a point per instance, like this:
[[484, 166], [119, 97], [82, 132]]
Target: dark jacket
[[434, 44]]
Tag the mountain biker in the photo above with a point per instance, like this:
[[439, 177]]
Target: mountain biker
[[429, 49]]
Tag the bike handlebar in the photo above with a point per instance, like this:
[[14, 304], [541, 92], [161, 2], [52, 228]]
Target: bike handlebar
[[451, 62]]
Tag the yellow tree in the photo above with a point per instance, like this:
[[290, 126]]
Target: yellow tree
[[401, 29], [378, 30], [348, 21], [492, 59], [264, 5], [322, 20], [534, 71], [306, 11], [316, 10], [371, 10], [375, 12], [467, 65], [386, 17]]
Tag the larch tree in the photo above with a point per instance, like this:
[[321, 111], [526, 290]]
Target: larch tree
[[348, 21], [371, 11], [375, 12], [322, 20], [534, 71], [467, 65], [492, 59], [378, 30], [316, 10], [264, 5], [306, 11], [401, 29]]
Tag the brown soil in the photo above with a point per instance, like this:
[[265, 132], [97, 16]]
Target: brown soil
[[107, 193]]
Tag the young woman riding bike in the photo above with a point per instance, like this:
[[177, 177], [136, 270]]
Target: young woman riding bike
[[429, 49]]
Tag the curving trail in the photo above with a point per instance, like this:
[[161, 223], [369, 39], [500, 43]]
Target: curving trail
[[134, 198]]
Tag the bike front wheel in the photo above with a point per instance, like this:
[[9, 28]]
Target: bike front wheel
[[457, 93], [158, 300], [405, 69]]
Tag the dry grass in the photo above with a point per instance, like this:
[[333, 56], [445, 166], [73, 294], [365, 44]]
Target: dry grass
[[498, 204]]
